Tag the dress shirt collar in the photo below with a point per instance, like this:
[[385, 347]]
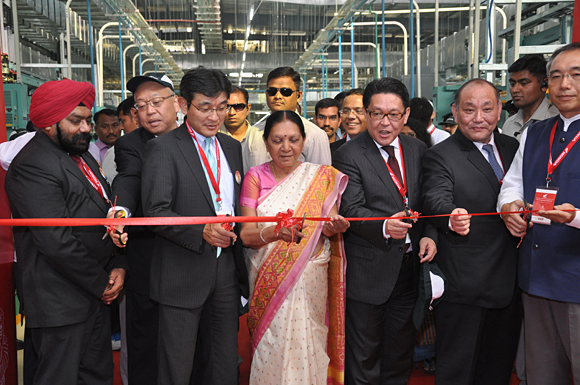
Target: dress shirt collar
[[569, 121], [480, 145], [395, 143]]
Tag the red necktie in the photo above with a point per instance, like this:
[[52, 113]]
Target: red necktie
[[393, 163]]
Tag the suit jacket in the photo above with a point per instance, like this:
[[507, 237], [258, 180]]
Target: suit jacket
[[129, 152], [373, 262], [480, 267], [62, 271], [336, 145], [174, 184]]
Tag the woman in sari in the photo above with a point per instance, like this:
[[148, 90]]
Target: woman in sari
[[296, 316]]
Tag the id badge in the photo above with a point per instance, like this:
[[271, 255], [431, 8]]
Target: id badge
[[226, 226], [544, 200]]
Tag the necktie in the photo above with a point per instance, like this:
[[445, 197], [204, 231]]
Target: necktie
[[497, 169], [393, 163], [210, 156]]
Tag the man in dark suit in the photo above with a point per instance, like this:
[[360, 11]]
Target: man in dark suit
[[352, 117], [196, 270], [478, 322], [383, 256], [66, 275], [157, 111]]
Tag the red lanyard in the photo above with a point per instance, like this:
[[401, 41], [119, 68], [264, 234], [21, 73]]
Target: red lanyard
[[432, 131], [215, 184], [553, 165], [89, 175], [402, 189]]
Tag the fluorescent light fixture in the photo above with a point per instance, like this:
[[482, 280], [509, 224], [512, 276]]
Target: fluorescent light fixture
[[251, 12], [244, 56], [234, 74], [246, 74], [189, 29], [248, 31]]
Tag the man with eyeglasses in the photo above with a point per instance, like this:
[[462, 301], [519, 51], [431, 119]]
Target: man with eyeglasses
[[352, 117], [549, 266], [197, 271], [479, 318], [283, 93], [327, 117], [383, 256], [157, 109], [236, 124]]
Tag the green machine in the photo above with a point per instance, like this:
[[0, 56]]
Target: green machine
[[17, 103]]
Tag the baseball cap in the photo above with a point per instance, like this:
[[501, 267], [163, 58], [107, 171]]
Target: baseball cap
[[158, 77], [449, 121]]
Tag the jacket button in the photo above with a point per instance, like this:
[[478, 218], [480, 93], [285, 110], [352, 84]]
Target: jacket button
[[400, 248], [536, 247]]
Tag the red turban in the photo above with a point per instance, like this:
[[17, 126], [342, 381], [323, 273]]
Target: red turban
[[53, 101]]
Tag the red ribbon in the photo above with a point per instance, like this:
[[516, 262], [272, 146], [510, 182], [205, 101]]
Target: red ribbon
[[175, 221]]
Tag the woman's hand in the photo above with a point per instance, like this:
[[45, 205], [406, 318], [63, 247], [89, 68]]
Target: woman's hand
[[289, 235], [337, 224]]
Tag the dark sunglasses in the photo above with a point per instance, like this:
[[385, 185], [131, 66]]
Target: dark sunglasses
[[286, 92], [239, 107]]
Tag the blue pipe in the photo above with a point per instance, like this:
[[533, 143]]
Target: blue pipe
[[339, 62], [412, 49], [383, 40], [140, 63], [304, 112], [352, 85], [92, 50], [121, 54], [323, 78]]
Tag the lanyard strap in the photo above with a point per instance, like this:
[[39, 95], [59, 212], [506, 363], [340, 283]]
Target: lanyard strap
[[432, 131], [215, 183], [402, 188], [553, 165], [91, 177]]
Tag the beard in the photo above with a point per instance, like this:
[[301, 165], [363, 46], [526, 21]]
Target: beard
[[76, 144]]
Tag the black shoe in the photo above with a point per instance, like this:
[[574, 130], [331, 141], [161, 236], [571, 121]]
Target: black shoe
[[19, 345]]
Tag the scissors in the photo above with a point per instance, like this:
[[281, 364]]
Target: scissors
[[301, 227]]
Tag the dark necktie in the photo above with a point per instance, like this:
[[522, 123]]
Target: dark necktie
[[393, 163], [497, 169]]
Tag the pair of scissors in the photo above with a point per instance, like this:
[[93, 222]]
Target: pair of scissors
[[300, 228]]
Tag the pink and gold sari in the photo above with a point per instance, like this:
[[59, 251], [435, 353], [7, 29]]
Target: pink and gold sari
[[296, 316]]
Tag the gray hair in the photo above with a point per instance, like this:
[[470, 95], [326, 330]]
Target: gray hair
[[568, 47]]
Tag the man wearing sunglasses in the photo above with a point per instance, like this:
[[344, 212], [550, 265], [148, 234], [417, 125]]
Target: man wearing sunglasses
[[236, 123], [283, 93]]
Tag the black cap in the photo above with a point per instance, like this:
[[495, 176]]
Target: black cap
[[158, 77], [449, 121]]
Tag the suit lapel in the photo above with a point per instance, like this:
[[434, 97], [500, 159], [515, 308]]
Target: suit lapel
[[375, 158], [191, 155], [71, 167], [478, 160], [507, 156]]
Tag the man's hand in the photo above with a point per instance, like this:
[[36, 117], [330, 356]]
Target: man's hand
[[396, 228], [514, 222], [460, 223], [119, 238], [427, 249], [558, 215], [116, 281], [216, 235]]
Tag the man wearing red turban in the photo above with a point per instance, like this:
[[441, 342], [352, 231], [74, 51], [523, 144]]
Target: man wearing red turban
[[66, 275]]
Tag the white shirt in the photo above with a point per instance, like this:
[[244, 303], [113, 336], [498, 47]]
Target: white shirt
[[512, 188], [437, 135], [397, 146], [9, 150], [226, 183], [109, 165], [316, 146]]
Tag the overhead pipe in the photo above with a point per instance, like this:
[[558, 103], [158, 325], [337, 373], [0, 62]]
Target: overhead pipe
[[16, 41], [125, 68], [377, 54], [418, 14], [470, 41], [352, 67], [141, 68], [517, 30], [340, 62], [383, 38], [92, 49], [477, 21], [121, 53], [100, 60], [503, 45], [68, 48], [140, 62], [412, 48], [436, 65]]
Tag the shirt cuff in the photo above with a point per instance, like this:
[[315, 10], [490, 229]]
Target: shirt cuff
[[385, 235], [575, 222], [449, 225]]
